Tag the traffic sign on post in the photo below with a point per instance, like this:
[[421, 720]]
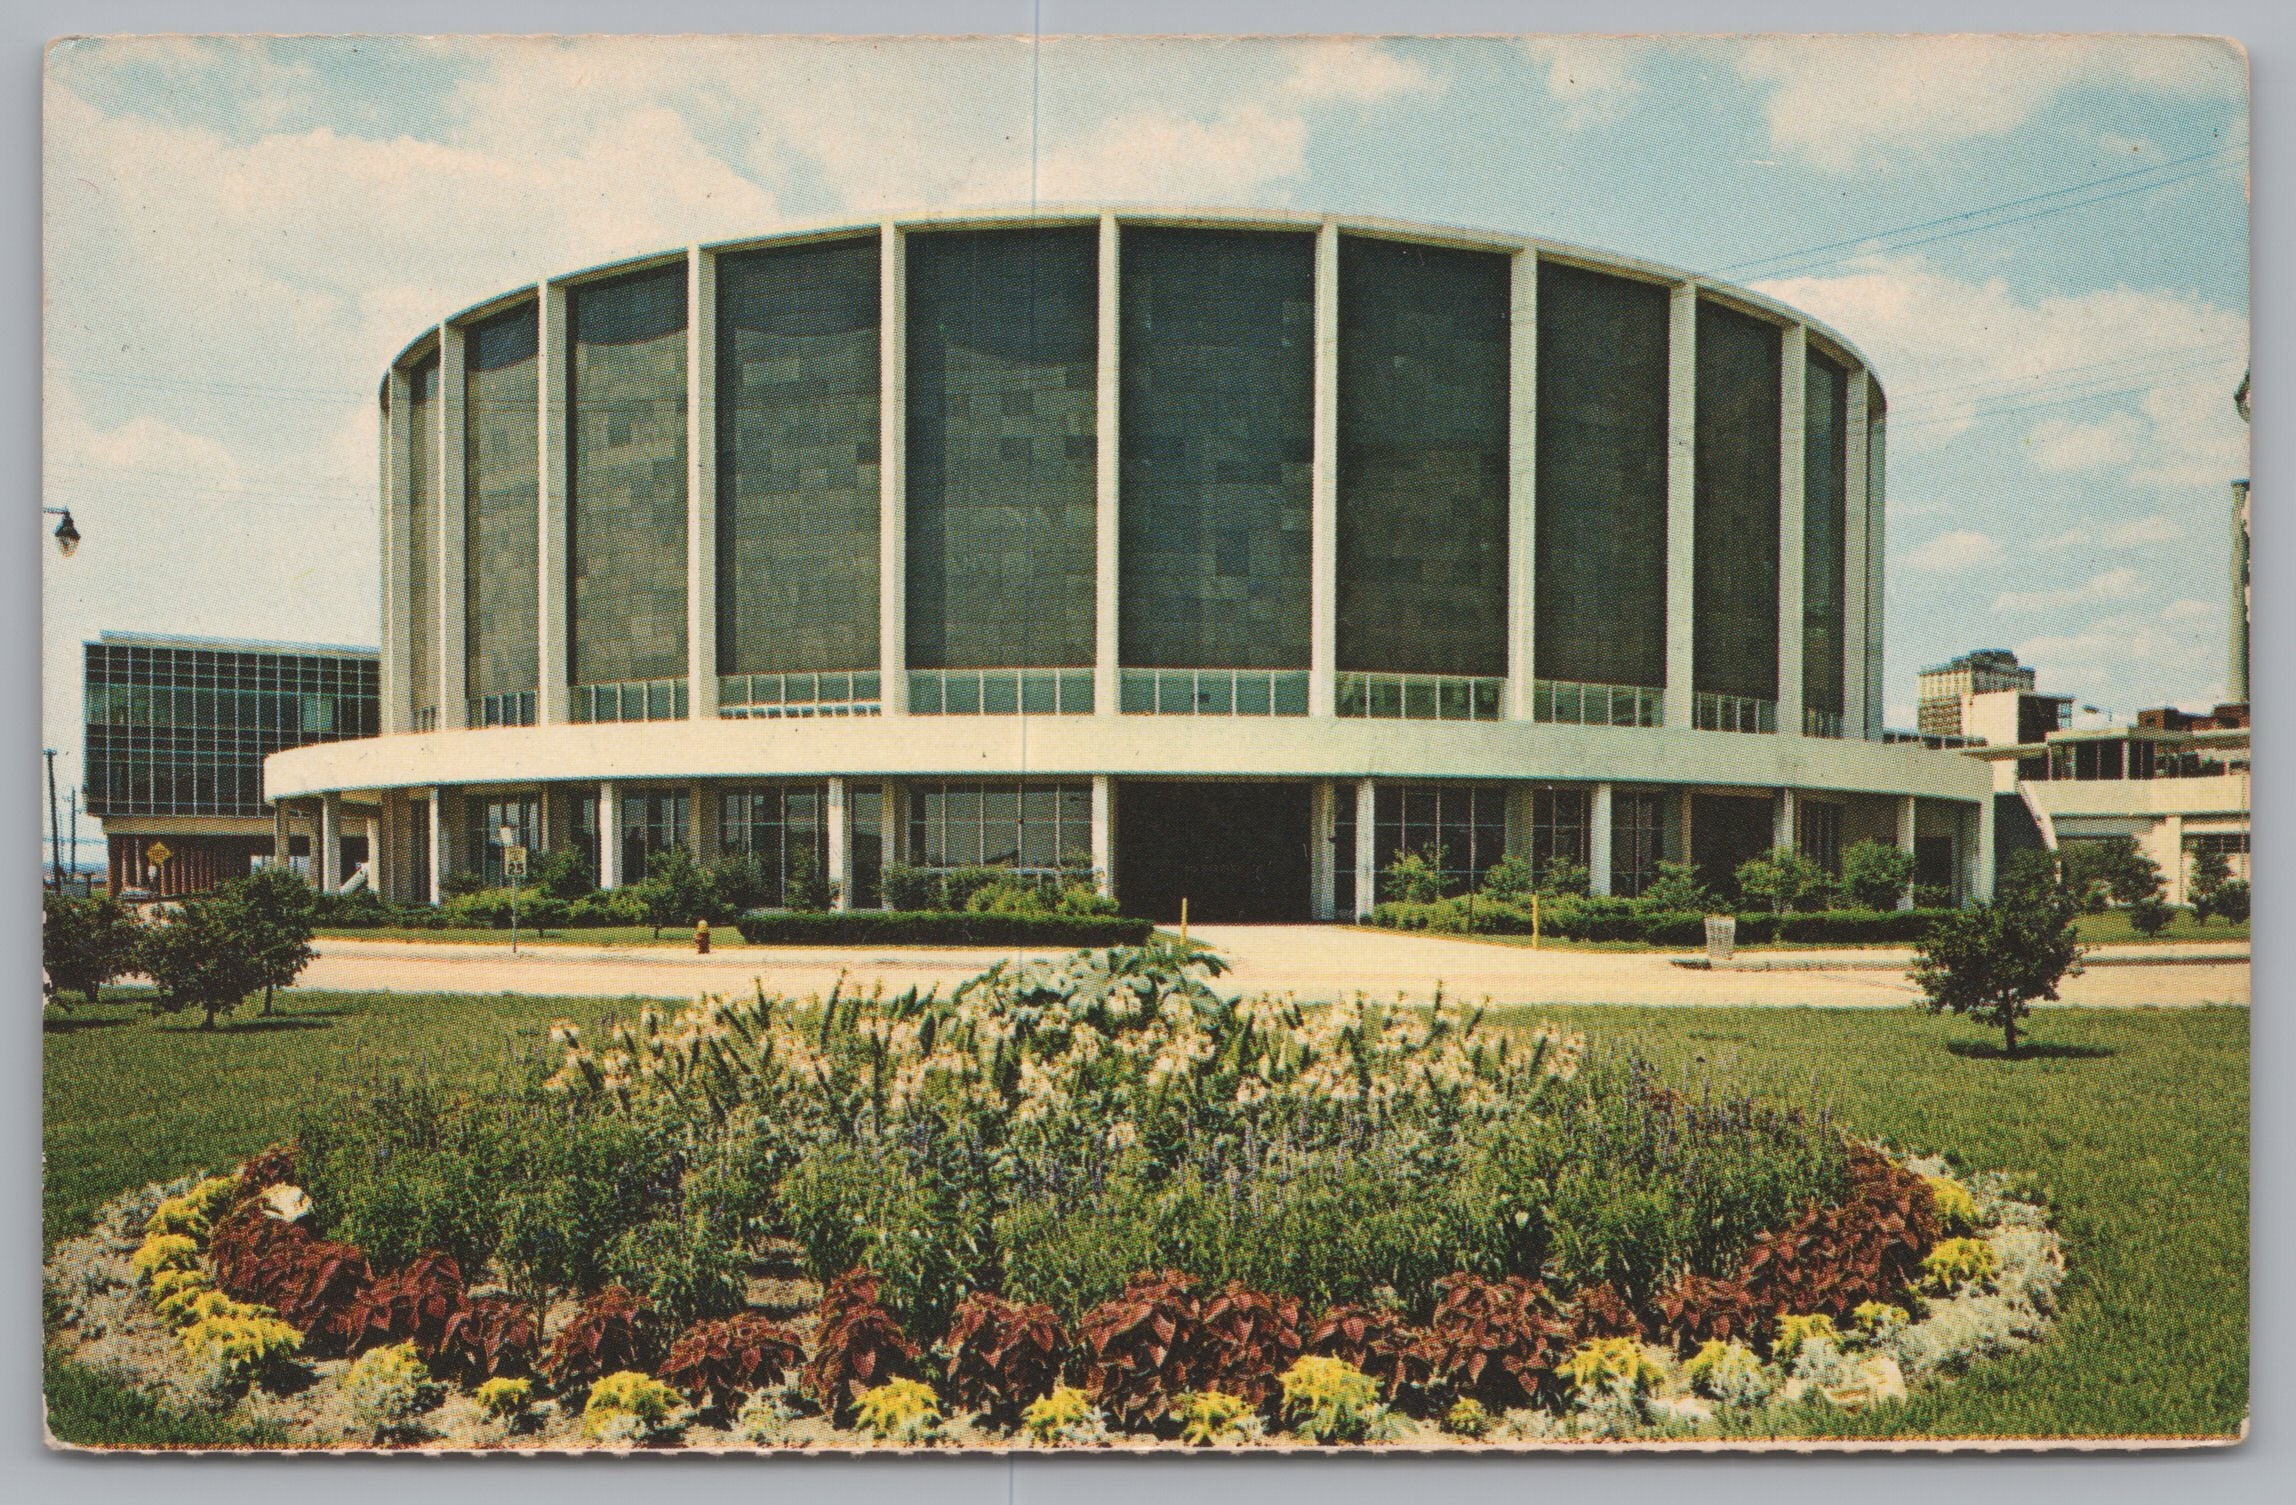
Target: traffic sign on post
[[514, 862]]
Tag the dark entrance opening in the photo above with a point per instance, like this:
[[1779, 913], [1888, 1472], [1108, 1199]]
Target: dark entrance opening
[[1234, 851], [1725, 831]]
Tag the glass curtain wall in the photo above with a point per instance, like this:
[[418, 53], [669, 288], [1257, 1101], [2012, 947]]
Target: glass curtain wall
[[1037, 828], [775, 823], [1003, 351], [1600, 600], [626, 480], [1217, 438], [1735, 613], [797, 463], [1468, 823], [1637, 840], [1423, 361], [653, 821], [422, 546], [1561, 820], [501, 520], [487, 816], [1825, 466]]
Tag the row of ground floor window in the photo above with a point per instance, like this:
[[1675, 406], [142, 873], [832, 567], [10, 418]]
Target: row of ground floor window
[[1234, 849]]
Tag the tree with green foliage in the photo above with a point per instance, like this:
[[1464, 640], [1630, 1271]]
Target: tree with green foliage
[[1876, 874], [562, 873], [2150, 915], [2211, 870], [1563, 877], [277, 911], [1785, 879], [1992, 961], [1509, 879], [85, 943], [1676, 888], [808, 888], [675, 890], [204, 955], [2232, 901], [2100, 871], [1415, 877]]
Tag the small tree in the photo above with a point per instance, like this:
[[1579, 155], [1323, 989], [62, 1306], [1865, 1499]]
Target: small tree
[[276, 911], [85, 943], [1676, 888], [2149, 916], [2232, 901], [908, 887], [203, 956], [1564, 878], [1784, 878], [563, 873], [2107, 870], [1876, 874], [1416, 877], [1508, 880], [2211, 870], [675, 890], [808, 889], [1993, 960]]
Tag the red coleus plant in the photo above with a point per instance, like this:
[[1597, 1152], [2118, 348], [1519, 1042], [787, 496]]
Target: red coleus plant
[[1001, 1355], [1144, 1347], [1495, 1340], [1699, 1307], [413, 1304], [613, 1331], [714, 1363], [1599, 1311], [1833, 1259], [314, 1284], [857, 1345], [1375, 1340], [1249, 1338], [487, 1337], [273, 1167]]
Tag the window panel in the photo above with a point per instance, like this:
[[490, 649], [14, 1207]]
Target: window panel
[[1825, 467], [1735, 572], [501, 511]]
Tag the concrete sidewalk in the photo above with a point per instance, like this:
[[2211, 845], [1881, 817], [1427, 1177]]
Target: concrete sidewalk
[[1311, 962]]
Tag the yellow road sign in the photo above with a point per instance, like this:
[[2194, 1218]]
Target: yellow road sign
[[157, 854]]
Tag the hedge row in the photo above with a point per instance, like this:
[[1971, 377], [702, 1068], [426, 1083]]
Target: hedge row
[[1620, 920], [887, 927]]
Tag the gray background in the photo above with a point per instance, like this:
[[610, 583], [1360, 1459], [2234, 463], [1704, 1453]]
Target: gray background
[[28, 1473]]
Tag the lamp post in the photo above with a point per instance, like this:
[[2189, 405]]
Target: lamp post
[[513, 868], [55, 831], [67, 536]]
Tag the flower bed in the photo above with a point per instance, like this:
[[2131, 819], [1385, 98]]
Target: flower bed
[[1069, 1206]]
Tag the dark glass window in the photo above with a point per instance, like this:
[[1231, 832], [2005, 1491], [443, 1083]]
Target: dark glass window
[[1423, 350], [1600, 600], [422, 537], [775, 823], [501, 511], [1825, 467], [626, 479], [1735, 613], [1217, 435], [1465, 824], [1726, 830], [1561, 822], [1818, 833], [487, 817], [1637, 840], [653, 821], [1035, 827], [797, 439], [1003, 350]]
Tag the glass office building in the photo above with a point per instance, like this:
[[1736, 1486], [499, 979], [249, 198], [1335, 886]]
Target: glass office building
[[1225, 555]]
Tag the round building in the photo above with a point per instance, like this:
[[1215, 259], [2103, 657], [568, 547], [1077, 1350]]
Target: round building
[[1230, 552]]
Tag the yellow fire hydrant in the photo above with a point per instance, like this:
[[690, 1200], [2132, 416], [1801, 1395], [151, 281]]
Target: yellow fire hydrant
[[702, 936]]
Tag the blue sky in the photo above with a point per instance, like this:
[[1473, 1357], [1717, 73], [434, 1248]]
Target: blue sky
[[240, 233]]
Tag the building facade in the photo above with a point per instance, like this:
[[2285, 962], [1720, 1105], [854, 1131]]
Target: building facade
[[1228, 553], [1947, 692], [176, 731]]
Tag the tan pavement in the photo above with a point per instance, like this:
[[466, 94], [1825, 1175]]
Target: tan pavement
[[1313, 962]]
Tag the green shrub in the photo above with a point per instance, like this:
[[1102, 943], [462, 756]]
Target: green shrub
[[164, 1251], [1564, 878], [1785, 879], [505, 1399], [1469, 1418], [1414, 877], [85, 943], [1956, 1208], [1795, 1330], [1509, 879], [1727, 1371], [1611, 1363], [911, 889], [632, 1408], [1330, 1400], [1064, 1416], [388, 1389], [1210, 1417], [2149, 915], [2232, 901], [901, 1411], [193, 1213], [1957, 1262], [241, 1346], [879, 927], [688, 1268], [1876, 874]]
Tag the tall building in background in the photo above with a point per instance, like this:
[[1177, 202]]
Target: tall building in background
[[1947, 690], [177, 730], [2236, 672]]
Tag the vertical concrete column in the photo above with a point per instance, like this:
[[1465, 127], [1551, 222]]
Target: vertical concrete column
[[398, 544], [701, 489], [1681, 500], [330, 842], [1104, 832], [1793, 403], [1366, 847], [1322, 877], [550, 596], [434, 835], [1782, 819], [1685, 801], [1598, 840], [1858, 543], [609, 834], [1908, 822], [701, 821], [282, 839], [375, 863], [454, 537], [1981, 858], [1522, 481], [1107, 534], [892, 472], [1323, 523], [838, 860]]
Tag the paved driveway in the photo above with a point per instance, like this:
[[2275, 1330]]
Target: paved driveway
[[1313, 962]]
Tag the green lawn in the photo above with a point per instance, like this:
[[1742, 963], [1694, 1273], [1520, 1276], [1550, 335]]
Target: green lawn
[[2111, 928], [2134, 1123]]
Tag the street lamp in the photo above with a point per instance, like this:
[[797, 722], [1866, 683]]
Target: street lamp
[[67, 536], [506, 836]]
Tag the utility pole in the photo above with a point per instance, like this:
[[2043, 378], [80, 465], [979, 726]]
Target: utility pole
[[72, 807], [55, 829]]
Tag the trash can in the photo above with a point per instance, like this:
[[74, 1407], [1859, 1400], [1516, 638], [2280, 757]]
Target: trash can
[[1721, 936]]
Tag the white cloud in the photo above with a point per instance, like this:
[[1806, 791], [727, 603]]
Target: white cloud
[[1961, 549], [2063, 445], [2127, 656], [1592, 78], [1232, 157], [1848, 102], [1358, 70], [2191, 611], [2110, 585], [2137, 533]]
